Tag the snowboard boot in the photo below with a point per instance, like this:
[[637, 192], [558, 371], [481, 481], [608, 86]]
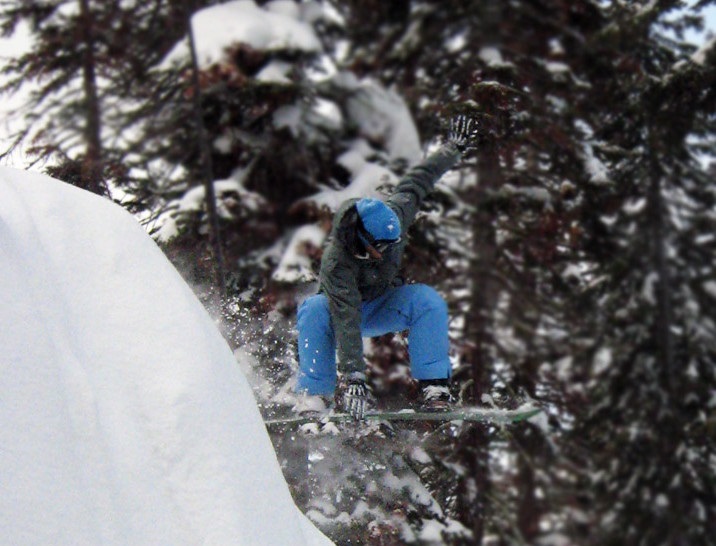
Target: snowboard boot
[[312, 405], [436, 395]]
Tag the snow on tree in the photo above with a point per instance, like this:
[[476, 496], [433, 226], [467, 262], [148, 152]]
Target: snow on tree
[[125, 417], [280, 115], [278, 26]]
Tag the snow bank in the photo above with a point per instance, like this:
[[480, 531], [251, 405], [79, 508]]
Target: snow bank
[[125, 419]]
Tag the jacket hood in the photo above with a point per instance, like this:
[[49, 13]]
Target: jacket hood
[[345, 227]]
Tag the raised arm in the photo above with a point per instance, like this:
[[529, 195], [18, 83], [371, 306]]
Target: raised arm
[[420, 181]]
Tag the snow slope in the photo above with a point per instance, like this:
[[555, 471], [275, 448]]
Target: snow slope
[[124, 418]]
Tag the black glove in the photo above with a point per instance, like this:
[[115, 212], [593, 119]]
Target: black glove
[[355, 396], [464, 132]]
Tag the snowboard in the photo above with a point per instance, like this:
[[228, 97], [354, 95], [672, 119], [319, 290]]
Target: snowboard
[[471, 414]]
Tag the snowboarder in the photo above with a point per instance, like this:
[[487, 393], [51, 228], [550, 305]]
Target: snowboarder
[[361, 294]]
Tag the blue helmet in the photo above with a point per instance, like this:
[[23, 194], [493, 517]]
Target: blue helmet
[[378, 219]]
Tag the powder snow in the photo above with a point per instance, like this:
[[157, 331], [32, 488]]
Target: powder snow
[[125, 418]]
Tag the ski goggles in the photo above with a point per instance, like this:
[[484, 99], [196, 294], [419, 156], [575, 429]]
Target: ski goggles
[[375, 247], [383, 244]]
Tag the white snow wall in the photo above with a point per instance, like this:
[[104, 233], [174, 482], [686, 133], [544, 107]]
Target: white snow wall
[[124, 419]]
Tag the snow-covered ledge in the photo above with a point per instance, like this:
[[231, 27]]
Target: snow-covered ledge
[[125, 419]]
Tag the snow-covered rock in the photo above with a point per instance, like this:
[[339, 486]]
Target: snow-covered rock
[[125, 418]]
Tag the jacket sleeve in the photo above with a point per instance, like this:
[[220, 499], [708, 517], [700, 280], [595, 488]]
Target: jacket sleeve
[[419, 182], [340, 285]]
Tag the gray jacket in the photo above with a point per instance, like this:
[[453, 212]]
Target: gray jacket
[[348, 281]]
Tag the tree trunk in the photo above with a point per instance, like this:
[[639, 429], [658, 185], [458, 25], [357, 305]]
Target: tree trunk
[[670, 422], [664, 312], [91, 171], [474, 491], [207, 168], [528, 509]]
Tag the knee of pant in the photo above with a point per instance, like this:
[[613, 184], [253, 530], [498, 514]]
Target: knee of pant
[[314, 311], [429, 299]]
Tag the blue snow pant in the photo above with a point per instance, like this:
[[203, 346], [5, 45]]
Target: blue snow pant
[[414, 307]]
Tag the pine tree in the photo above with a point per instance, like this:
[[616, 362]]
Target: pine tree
[[269, 148], [83, 56], [653, 360]]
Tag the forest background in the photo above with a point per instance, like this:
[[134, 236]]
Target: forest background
[[575, 248]]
